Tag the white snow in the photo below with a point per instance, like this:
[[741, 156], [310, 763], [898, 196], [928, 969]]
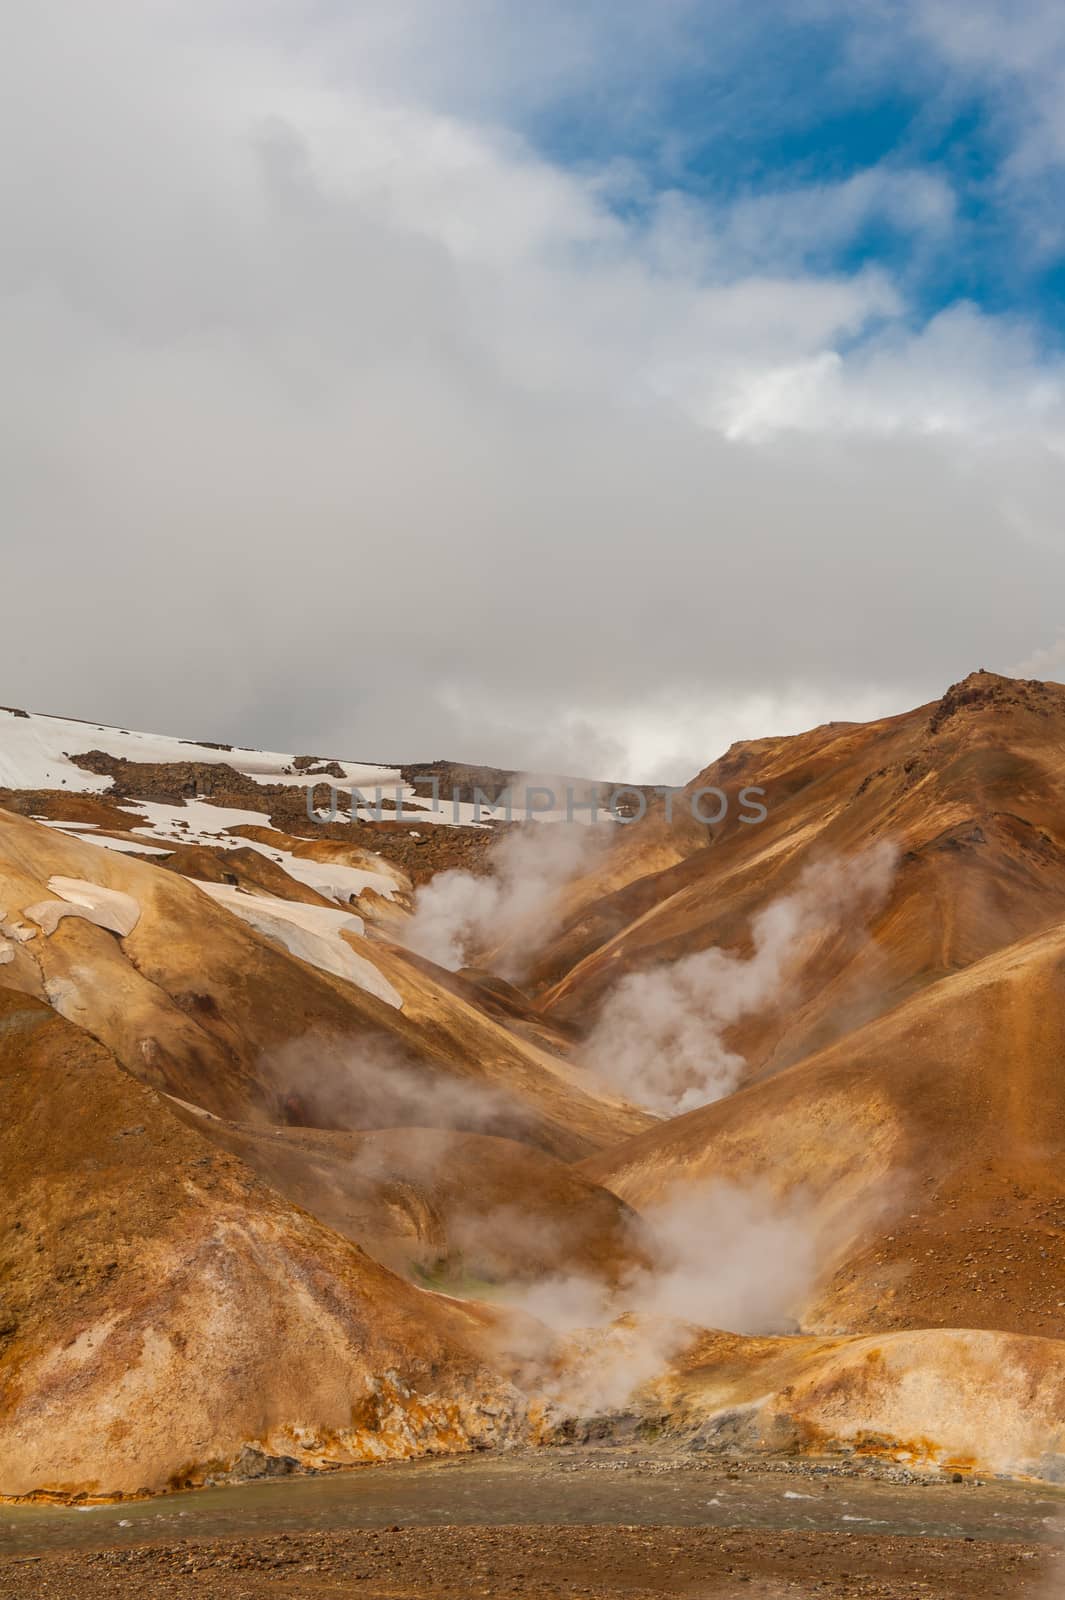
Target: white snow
[[469, 814], [195, 822], [362, 777], [89, 833], [310, 932], [199, 822], [330, 878], [107, 908], [123, 846], [35, 753]]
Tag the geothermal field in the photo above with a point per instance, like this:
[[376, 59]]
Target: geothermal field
[[348, 1125]]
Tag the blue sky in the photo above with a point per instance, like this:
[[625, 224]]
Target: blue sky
[[795, 97]]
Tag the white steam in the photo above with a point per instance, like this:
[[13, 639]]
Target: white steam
[[660, 1034], [457, 914], [371, 1083], [714, 1255]]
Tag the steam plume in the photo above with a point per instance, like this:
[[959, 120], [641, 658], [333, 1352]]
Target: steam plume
[[370, 1083], [660, 1034], [715, 1255], [510, 909]]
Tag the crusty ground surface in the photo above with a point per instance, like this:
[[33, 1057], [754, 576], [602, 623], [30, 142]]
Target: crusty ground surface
[[596, 1563]]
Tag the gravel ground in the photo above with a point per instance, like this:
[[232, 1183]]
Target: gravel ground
[[596, 1563]]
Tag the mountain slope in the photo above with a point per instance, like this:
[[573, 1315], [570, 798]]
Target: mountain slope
[[165, 1311], [960, 1401], [461, 1207], [971, 792], [879, 966], [225, 1016], [927, 1147]]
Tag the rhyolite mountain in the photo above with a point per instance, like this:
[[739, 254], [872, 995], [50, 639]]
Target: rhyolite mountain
[[281, 1192]]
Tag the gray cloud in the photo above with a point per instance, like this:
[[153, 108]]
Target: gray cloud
[[335, 418]]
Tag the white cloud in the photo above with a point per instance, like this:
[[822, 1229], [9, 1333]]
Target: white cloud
[[961, 373], [1046, 663], [816, 219]]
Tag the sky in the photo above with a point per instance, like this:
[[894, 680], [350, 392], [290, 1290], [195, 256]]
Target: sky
[[574, 387]]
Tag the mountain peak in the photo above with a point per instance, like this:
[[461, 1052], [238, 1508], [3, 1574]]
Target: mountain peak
[[992, 691]]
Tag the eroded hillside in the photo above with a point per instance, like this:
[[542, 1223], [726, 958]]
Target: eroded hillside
[[322, 1154]]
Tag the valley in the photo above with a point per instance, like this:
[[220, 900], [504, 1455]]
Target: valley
[[736, 1149]]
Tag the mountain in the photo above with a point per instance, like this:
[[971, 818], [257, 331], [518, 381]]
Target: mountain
[[970, 790], [904, 1077], [250, 1005], [769, 1109]]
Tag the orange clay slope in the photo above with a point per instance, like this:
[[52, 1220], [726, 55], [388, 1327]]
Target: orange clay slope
[[167, 1316], [925, 1150], [952, 1401], [900, 1095], [272, 1010], [971, 792]]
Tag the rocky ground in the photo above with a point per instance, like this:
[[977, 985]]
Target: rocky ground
[[421, 850], [596, 1563]]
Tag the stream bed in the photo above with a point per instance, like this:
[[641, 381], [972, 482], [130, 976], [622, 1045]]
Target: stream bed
[[561, 1486]]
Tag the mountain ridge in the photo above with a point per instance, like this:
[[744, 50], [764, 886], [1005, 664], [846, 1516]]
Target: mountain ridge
[[875, 972]]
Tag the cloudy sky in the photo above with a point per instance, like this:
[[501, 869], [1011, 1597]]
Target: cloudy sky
[[579, 385]]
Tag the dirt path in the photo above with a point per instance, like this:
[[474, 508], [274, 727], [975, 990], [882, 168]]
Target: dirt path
[[547, 1563]]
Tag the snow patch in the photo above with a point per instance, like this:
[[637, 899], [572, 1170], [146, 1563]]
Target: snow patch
[[195, 822], [312, 933], [106, 908], [125, 847], [330, 878], [88, 833], [35, 753], [361, 776]]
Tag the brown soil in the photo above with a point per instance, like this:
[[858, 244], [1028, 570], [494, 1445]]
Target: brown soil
[[101, 811], [971, 789], [461, 1206], [243, 868], [929, 1144], [545, 1563], [420, 847], [148, 1275], [170, 782]]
